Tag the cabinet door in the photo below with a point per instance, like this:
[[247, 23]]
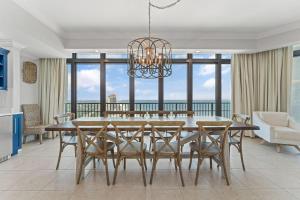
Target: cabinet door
[[17, 133]]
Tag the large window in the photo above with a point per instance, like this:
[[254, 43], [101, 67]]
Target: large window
[[195, 84], [295, 97], [88, 90], [117, 87]]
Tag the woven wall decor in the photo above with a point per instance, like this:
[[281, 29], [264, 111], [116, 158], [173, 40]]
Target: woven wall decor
[[29, 72]]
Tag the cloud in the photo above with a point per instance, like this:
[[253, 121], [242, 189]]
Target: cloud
[[210, 83], [88, 79], [226, 69], [207, 70]]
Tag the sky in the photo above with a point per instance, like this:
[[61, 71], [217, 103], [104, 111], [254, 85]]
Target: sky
[[175, 86]]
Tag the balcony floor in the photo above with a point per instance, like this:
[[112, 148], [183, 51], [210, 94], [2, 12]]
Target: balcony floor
[[32, 175]]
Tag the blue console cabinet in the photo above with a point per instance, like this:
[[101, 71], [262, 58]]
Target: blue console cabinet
[[3, 68], [17, 133]]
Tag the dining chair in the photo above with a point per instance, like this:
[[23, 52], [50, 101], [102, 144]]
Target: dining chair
[[95, 144], [236, 137], [114, 113], [159, 113], [129, 147], [65, 138], [33, 124], [212, 149], [166, 147], [136, 113]]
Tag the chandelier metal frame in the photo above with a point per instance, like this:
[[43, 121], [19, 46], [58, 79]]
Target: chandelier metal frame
[[150, 57]]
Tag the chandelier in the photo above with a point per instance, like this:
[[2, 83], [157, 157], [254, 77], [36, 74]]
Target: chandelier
[[150, 57]]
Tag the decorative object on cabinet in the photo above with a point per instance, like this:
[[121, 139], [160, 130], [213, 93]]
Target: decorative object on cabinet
[[29, 72], [3, 68]]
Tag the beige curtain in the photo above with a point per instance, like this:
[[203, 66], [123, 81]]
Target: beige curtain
[[261, 81], [52, 87]]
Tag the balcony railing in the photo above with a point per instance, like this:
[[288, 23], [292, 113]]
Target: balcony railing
[[88, 109]]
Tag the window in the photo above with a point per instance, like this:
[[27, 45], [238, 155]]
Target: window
[[88, 90], [226, 90], [204, 89], [68, 93], [117, 87], [175, 89], [295, 97], [146, 94]]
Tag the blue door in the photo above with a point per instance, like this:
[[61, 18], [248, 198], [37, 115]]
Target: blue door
[[17, 133]]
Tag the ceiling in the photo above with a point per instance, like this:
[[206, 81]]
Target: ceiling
[[90, 24]]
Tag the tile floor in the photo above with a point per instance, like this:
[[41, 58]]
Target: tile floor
[[269, 175]]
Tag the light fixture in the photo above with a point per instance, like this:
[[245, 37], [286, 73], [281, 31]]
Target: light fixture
[[150, 57]]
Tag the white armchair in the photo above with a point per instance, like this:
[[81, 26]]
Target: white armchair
[[278, 128]]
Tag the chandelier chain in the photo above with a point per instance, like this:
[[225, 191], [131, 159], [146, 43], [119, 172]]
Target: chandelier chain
[[158, 7]]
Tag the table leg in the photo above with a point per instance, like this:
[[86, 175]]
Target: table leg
[[226, 160], [80, 165]]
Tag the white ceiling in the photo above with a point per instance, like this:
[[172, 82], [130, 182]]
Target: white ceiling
[[191, 24], [240, 16]]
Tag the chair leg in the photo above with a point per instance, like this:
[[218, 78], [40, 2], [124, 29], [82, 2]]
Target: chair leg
[[145, 161], [80, 170], [106, 171], [225, 172], [278, 148], [113, 157], [180, 170], [116, 169], [191, 159], [124, 164], [210, 162], [59, 156], [94, 162], [153, 169], [242, 157], [198, 169], [75, 150], [52, 135], [41, 138], [24, 139], [143, 169]]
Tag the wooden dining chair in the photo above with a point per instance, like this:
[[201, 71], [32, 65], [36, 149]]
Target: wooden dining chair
[[66, 138], [136, 113], [236, 137], [212, 149], [129, 147], [114, 113], [166, 147], [183, 113], [95, 144], [159, 113]]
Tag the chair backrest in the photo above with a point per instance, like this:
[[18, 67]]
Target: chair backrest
[[136, 113], [245, 119], [159, 113], [183, 113], [32, 115], [92, 142], [159, 128], [209, 129], [64, 117], [114, 113], [136, 129]]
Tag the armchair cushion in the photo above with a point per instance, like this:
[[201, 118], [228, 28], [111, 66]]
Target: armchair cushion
[[285, 133], [275, 118]]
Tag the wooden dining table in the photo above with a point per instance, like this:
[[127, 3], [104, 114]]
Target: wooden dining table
[[190, 126]]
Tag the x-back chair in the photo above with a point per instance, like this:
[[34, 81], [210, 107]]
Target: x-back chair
[[166, 147], [236, 137], [65, 138], [94, 145], [130, 146], [214, 148]]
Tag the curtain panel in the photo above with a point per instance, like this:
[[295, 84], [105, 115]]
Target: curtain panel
[[52, 87], [261, 81]]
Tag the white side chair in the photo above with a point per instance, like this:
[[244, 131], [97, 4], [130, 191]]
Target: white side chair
[[277, 128]]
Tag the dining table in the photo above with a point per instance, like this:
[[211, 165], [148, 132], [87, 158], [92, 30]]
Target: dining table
[[190, 126]]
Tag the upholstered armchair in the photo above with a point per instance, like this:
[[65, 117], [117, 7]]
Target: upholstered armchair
[[32, 122], [278, 128]]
